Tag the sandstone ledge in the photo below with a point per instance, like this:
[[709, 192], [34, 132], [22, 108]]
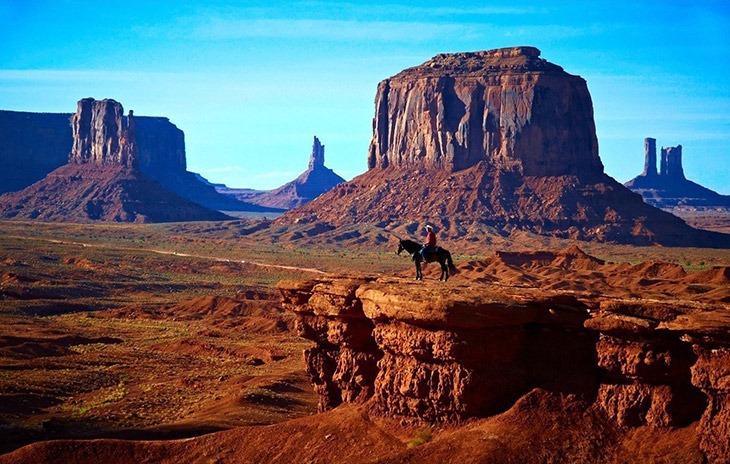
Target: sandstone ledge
[[451, 352]]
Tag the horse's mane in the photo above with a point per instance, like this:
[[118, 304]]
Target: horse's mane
[[410, 246]]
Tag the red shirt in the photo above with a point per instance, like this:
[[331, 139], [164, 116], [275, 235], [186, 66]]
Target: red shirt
[[431, 239]]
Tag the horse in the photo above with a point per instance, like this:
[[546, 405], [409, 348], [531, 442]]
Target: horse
[[441, 255]]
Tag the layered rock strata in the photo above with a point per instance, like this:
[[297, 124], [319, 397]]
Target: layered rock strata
[[101, 134], [499, 139], [507, 107], [667, 365], [450, 353], [415, 353]]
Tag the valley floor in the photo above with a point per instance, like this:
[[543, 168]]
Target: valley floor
[[174, 330]]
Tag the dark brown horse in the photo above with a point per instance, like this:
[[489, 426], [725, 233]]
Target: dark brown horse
[[439, 254]]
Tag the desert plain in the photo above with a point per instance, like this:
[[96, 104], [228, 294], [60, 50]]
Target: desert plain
[[168, 331]]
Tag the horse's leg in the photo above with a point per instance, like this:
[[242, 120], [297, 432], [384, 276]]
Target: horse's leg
[[418, 269]]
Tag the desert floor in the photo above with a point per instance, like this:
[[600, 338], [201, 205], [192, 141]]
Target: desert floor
[[175, 330]]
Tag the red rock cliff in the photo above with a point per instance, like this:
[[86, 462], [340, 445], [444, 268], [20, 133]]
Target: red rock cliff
[[102, 136], [507, 107], [448, 353]]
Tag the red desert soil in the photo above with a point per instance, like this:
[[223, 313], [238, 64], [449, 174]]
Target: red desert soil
[[540, 427], [105, 343], [574, 271]]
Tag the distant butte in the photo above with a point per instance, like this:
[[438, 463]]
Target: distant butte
[[102, 180], [669, 188], [494, 140], [34, 144]]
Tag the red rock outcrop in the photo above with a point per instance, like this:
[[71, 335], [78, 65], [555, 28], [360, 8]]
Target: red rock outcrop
[[657, 358], [494, 140], [102, 136], [452, 352], [507, 107], [415, 352]]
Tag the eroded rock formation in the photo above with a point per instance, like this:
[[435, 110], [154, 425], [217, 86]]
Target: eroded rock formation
[[34, 144], [102, 180], [500, 139], [102, 136], [316, 159], [418, 353], [649, 157], [670, 189], [448, 353], [507, 107], [315, 181], [667, 365]]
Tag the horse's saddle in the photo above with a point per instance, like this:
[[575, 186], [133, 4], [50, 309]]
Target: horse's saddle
[[431, 253]]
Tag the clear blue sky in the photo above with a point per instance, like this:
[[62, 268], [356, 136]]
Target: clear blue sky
[[250, 83]]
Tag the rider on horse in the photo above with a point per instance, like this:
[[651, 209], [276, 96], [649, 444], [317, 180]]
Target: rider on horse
[[430, 245]]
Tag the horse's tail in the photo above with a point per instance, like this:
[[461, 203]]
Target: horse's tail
[[450, 261]]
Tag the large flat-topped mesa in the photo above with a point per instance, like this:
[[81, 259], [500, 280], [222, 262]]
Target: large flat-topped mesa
[[506, 107], [477, 63]]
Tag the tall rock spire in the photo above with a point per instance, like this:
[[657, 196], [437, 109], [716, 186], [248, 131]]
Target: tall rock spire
[[672, 162], [101, 135], [316, 160], [649, 157]]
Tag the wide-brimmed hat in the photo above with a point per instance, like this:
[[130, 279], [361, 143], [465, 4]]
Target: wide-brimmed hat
[[429, 227]]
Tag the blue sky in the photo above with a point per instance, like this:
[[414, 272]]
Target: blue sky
[[250, 83]]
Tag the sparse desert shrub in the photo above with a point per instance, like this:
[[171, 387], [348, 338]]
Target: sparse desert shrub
[[423, 435]]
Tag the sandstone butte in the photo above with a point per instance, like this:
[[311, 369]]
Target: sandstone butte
[[499, 139], [32, 145], [102, 179], [669, 188], [453, 353]]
